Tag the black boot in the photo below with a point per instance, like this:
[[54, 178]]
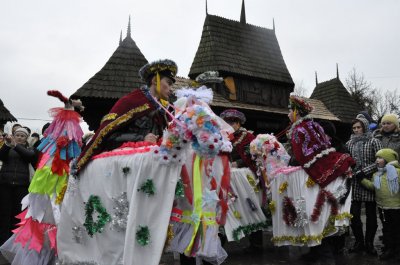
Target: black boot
[[357, 247], [370, 249]]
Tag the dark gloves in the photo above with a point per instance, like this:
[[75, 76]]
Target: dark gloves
[[360, 175]]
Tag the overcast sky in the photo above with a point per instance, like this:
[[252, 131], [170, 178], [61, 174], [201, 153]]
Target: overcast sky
[[50, 44]]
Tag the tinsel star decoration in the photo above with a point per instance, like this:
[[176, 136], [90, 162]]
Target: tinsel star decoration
[[143, 235], [94, 205], [148, 187], [121, 210]]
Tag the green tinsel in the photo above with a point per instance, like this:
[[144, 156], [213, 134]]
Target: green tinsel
[[94, 204], [179, 190], [148, 187], [143, 235], [126, 170], [248, 229]]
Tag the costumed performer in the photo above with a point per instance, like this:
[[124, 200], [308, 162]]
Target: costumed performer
[[249, 193], [118, 203], [34, 240]]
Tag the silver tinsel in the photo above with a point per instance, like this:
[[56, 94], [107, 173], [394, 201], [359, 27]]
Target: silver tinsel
[[121, 208], [77, 234], [340, 192], [302, 218], [63, 262], [72, 185]]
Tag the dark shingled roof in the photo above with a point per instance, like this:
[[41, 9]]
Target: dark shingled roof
[[233, 47], [5, 114], [337, 99], [118, 76]]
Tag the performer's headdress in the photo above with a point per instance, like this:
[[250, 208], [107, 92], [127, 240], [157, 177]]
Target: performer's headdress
[[299, 106], [209, 77], [159, 68], [232, 114]]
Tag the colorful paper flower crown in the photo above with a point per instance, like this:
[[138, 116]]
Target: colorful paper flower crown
[[299, 104], [164, 67]]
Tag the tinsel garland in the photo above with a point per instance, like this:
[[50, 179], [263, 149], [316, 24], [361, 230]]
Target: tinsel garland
[[324, 195], [143, 235], [304, 239], [180, 189], [272, 206], [60, 196], [237, 215], [94, 204], [253, 183], [248, 229], [283, 187], [148, 187], [289, 211], [170, 236], [310, 182]]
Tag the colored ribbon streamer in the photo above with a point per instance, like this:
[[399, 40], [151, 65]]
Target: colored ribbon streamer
[[197, 207], [163, 102]]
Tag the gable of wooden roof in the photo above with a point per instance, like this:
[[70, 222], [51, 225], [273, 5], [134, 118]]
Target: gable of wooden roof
[[5, 114], [118, 76], [233, 47], [337, 99]]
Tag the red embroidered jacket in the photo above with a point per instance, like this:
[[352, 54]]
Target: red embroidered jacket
[[312, 150]]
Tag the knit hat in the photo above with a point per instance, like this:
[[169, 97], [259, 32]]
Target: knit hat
[[364, 122], [22, 130], [391, 118], [388, 154]]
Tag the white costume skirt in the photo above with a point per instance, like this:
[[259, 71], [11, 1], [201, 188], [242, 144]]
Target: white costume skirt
[[298, 201], [137, 193], [245, 214]]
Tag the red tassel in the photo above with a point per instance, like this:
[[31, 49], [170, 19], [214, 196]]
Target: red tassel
[[57, 94]]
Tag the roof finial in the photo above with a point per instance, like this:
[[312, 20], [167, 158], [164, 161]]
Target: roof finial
[[243, 14], [337, 70], [120, 38], [273, 24], [128, 33], [206, 8], [316, 78]]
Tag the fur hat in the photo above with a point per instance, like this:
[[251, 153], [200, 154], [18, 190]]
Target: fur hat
[[299, 104], [22, 130], [232, 114], [391, 118], [388, 154], [164, 67]]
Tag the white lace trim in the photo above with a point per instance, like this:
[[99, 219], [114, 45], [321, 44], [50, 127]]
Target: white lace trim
[[318, 156]]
